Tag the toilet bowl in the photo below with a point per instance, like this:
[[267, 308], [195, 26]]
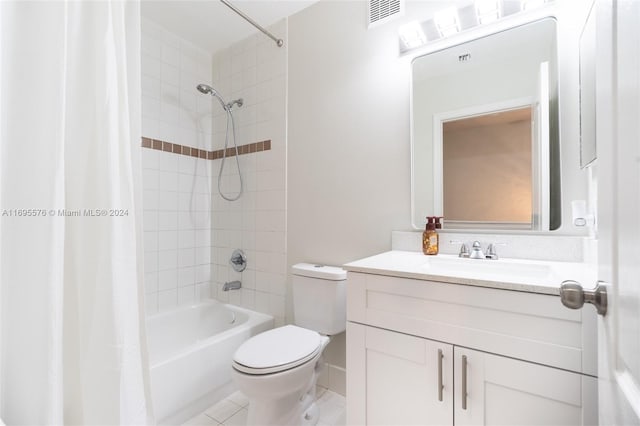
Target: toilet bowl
[[278, 369]]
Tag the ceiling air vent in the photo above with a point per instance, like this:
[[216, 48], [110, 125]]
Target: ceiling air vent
[[381, 11]]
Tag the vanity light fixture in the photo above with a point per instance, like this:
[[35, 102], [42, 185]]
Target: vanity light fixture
[[452, 20], [447, 21], [412, 35], [530, 4], [488, 11]]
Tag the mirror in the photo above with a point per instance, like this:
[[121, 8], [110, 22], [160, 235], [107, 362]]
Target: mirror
[[497, 148], [485, 133], [588, 92]]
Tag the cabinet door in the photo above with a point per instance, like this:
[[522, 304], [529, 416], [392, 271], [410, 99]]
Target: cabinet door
[[397, 379], [496, 390]]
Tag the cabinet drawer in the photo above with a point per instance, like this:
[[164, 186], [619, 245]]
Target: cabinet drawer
[[532, 327]]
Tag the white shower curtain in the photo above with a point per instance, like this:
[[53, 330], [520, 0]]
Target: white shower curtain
[[72, 344]]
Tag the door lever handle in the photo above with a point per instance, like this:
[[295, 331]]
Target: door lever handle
[[573, 296]]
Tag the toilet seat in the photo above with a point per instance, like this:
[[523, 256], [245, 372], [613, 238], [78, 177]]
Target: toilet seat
[[277, 350]]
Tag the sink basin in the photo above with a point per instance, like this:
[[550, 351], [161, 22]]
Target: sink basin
[[536, 276], [501, 269]]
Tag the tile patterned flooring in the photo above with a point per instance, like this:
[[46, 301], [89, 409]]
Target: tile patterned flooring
[[232, 411]]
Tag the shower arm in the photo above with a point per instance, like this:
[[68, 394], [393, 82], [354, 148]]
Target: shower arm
[[278, 41]]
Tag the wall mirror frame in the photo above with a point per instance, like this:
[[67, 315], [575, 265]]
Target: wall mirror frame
[[486, 77], [588, 149]]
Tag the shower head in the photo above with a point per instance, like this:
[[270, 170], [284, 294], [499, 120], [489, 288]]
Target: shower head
[[206, 89]]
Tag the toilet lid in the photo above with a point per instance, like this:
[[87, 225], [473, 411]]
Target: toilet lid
[[277, 350]]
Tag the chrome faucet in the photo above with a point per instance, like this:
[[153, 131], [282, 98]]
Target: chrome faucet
[[231, 285], [476, 251]]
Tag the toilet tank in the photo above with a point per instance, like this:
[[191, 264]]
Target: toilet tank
[[319, 297]]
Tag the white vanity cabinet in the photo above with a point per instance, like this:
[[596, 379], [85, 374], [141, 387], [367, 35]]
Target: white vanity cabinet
[[506, 391], [394, 377], [429, 353]]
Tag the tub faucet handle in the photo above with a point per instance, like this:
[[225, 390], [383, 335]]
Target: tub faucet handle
[[238, 260]]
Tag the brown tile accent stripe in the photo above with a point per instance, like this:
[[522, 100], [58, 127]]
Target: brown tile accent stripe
[[201, 153]]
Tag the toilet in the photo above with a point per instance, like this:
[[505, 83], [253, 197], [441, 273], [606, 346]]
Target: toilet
[[278, 369]]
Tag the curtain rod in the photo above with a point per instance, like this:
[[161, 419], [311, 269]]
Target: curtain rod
[[278, 41]]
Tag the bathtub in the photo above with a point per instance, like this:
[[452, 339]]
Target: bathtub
[[190, 353]]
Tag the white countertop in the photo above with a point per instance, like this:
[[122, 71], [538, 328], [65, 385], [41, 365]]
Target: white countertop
[[532, 276]]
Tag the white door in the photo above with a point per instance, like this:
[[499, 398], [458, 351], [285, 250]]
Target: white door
[[618, 139]]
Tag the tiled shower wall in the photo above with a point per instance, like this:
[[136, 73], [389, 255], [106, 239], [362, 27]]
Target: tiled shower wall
[[190, 231], [177, 188], [255, 70]]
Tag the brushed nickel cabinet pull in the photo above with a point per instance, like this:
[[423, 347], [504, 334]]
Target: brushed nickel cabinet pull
[[440, 385], [464, 382]]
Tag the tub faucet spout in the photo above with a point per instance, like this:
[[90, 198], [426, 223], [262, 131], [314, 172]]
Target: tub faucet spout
[[231, 285]]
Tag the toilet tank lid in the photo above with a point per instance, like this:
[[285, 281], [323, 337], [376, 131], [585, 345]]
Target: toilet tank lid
[[324, 272]]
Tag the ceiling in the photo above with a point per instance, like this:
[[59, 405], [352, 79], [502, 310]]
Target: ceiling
[[211, 25]]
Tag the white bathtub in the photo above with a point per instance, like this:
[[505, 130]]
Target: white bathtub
[[190, 352]]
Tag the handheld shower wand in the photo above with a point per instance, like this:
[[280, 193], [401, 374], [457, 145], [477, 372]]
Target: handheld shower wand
[[208, 90]]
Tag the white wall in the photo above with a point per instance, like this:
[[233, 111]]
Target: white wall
[[177, 188], [348, 169], [348, 142]]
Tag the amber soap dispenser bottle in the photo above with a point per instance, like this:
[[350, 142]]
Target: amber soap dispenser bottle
[[430, 237]]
